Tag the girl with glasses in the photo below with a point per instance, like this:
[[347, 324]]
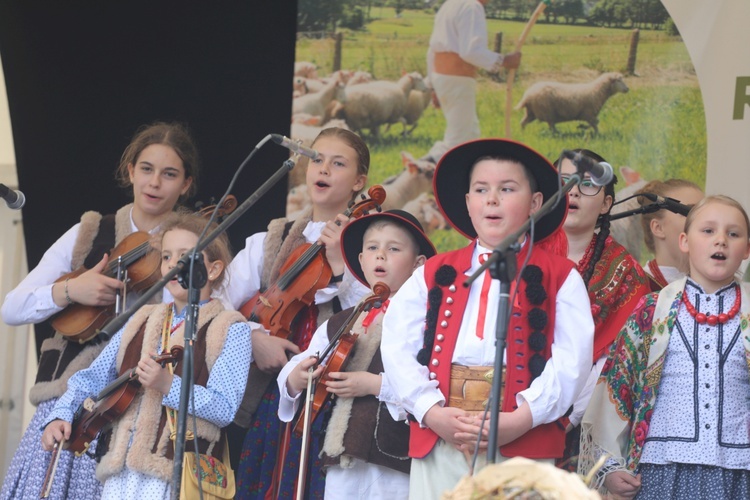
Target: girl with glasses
[[614, 280]]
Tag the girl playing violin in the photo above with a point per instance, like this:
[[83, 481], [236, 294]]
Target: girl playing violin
[[333, 179], [365, 448], [160, 165], [138, 459]]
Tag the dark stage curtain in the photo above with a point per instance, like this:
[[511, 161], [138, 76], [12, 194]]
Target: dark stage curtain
[[81, 76]]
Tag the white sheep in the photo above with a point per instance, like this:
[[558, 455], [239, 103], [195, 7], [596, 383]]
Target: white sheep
[[415, 106], [555, 102], [370, 105], [359, 77], [416, 178], [306, 69], [319, 103], [425, 209]]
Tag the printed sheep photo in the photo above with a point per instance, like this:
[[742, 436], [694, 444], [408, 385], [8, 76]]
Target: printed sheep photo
[[555, 102]]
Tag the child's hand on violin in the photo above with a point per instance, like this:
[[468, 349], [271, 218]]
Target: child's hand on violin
[[445, 422], [353, 384], [330, 237], [270, 352], [297, 380], [54, 433], [153, 376], [91, 288]]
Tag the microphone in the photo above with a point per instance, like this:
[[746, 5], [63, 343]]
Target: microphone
[[601, 172], [14, 199], [294, 147], [668, 203]]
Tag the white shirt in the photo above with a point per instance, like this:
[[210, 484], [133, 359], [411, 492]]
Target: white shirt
[[460, 27], [549, 396], [247, 267], [31, 301]]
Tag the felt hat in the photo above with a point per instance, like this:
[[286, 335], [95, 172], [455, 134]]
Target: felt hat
[[354, 233], [451, 182]]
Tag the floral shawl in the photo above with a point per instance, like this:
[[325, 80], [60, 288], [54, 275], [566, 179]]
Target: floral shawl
[[616, 285], [617, 419]]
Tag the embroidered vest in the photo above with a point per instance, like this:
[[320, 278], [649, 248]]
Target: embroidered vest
[[60, 359], [362, 427], [151, 451], [529, 340]]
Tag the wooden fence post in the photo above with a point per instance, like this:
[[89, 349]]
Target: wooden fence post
[[633, 51], [337, 51], [499, 42]]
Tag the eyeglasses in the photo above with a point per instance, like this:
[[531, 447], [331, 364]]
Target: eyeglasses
[[586, 186]]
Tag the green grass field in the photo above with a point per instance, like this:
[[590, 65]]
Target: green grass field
[[658, 128]]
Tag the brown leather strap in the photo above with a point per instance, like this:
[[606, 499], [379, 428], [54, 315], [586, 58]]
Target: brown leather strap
[[450, 63], [471, 386]]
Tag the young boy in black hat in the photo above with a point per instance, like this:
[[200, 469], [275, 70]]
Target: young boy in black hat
[[439, 336], [367, 449]]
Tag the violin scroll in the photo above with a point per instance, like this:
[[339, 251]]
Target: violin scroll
[[173, 356], [376, 198]]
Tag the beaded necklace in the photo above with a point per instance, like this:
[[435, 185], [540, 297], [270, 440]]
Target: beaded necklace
[[587, 255], [713, 319]]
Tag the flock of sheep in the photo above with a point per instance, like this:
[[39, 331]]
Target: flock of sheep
[[355, 101]]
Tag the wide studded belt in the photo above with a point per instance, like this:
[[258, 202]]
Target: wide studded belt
[[471, 386]]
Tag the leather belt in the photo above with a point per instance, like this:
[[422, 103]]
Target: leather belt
[[450, 63], [470, 386]]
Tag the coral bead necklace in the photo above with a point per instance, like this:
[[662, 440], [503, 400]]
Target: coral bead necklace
[[713, 319]]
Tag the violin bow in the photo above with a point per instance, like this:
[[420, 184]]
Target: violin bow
[[305, 435], [512, 72], [49, 477]]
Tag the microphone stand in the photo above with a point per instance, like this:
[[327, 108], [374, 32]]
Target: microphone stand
[[191, 319], [502, 266]]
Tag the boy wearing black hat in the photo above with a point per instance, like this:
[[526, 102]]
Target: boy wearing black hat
[[367, 449], [439, 336]]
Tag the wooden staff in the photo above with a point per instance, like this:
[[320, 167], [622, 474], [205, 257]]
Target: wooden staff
[[512, 72]]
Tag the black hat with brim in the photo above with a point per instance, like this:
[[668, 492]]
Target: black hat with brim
[[451, 182], [353, 235]]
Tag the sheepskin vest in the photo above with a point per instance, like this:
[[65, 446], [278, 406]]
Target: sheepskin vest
[[282, 238], [362, 427], [529, 340], [59, 358], [151, 452]]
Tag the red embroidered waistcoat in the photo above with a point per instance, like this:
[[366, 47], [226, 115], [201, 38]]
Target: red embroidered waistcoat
[[529, 341]]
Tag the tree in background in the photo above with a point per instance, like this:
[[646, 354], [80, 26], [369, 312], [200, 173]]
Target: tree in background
[[320, 15]]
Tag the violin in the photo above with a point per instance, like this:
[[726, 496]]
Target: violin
[[100, 412], [340, 348], [305, 272], [136, 261], [97, 414]]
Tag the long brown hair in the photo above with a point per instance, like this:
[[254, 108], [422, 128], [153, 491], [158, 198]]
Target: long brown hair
[[353, 141], [176, 136]]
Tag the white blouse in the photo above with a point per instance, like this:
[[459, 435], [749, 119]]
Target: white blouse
[[702, 411]]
